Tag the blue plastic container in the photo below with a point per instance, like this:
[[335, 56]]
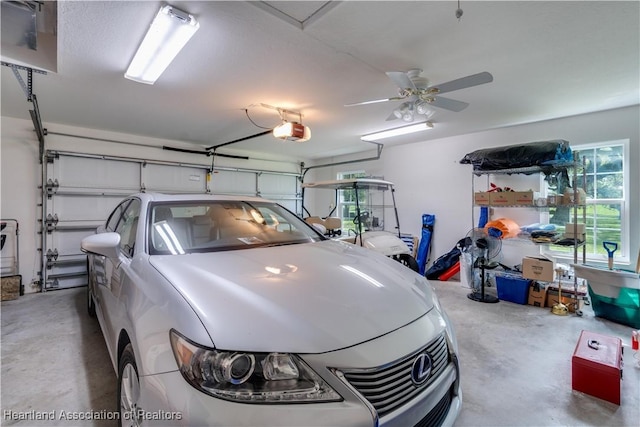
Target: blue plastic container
[[513, 288]]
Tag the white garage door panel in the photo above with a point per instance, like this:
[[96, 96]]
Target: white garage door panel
[[86, 172], [83, 209], [90, 187], [231, 182], [289, 204], [280, 188], [277, 184], [68, 242], [169, 178]]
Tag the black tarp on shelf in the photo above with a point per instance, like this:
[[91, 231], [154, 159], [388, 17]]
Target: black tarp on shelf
[[542, 153]]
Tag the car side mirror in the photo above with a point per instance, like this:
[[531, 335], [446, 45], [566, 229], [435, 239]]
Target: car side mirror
[[105, 244]]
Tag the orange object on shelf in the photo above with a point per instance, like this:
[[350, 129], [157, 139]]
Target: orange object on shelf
[[507, 226]]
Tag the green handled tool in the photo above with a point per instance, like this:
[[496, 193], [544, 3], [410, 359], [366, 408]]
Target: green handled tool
[[610, 247]]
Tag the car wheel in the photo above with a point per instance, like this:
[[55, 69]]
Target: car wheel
[[91, 305], [128, 389], [409, 261]]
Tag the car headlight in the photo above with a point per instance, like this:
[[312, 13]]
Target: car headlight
[[249, 377]]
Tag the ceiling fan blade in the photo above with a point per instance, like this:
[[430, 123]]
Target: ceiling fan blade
[[401, 79], [375, 101], [465, 82], [449, 104]]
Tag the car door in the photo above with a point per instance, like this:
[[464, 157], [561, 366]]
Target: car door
[[108, 290]]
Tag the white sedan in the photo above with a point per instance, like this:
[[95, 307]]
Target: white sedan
[[233, 311]]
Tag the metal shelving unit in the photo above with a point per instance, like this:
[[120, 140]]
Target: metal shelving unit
[[574, 167]]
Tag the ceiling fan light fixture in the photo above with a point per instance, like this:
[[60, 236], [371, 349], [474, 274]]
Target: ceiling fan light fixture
[[169, 32], [419, 127], [407, 111], [423, 108], [291, 131]]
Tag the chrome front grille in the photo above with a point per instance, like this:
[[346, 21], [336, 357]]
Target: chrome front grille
[[389, 387]]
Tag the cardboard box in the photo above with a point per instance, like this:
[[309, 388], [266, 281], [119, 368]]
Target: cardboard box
[[537, 269], [10, 286], [572, 228], [481, 198], [568, 299], [525, 198], [502, 198], [572, 231], [577, 198], [554, 199], [537, 295]]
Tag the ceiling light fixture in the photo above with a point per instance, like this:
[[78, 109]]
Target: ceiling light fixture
[[397, 131], [289, 130], [407, 110], [292, 131], [170, 31]]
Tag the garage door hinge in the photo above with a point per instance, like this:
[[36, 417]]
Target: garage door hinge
[[51, 156], [52, 254], [52, 187], [51, 222]]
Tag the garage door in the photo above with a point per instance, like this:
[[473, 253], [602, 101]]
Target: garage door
[[82, 189]]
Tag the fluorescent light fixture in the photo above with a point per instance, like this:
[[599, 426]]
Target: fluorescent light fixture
[[170, 30], [292, 132], [397, 131]]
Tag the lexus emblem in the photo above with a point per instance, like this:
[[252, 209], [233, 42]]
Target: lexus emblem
[[421, 369]]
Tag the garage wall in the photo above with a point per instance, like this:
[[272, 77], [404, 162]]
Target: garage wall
[[20, 173], [429, 178]]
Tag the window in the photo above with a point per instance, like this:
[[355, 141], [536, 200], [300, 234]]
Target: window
[[607, 189], [128, 226], [112, 222], [180, 228], [347, 201]]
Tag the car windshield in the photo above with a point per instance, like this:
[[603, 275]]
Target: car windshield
[[207, 226]]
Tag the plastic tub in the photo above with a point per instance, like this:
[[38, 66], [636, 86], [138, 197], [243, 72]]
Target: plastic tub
[[625, 309], [513, 288]]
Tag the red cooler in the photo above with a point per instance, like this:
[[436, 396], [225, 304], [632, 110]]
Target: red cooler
[[596, 366]]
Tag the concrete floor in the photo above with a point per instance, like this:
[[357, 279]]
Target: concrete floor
[[515, 362]]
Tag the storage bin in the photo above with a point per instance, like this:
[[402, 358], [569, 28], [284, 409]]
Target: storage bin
[[513, 288], [625, 309]]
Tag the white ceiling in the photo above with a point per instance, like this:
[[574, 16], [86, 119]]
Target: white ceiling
[[548, 59]]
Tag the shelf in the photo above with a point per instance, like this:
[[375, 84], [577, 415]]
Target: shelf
[[531, 206], [530, 169], [527, 241]]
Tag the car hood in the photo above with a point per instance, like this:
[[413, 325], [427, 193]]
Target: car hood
[[304, 298]]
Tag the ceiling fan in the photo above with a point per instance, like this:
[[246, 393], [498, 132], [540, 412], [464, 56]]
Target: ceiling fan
[[419, 95]]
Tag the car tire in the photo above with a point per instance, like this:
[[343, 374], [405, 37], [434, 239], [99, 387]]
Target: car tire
[[409, 261], [91, 305], [128, 389]]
